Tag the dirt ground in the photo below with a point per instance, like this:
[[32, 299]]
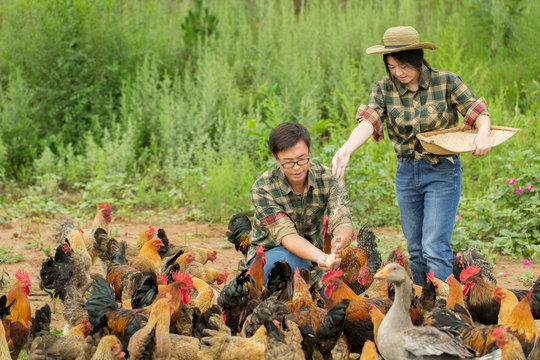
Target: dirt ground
[[25, 238]]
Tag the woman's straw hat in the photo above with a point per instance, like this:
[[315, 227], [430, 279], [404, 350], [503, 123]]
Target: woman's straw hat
[[400, 38], [457, 140]]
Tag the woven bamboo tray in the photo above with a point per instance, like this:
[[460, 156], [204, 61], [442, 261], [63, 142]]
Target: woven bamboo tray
[[456, 140]]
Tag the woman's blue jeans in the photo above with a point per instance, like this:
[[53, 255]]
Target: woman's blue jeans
[[428, 197]]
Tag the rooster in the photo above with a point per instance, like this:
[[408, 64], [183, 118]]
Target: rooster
[[479, 296], [123, 278], [17, 323], [42, 341], [56, 273], [358, 325], [280, 281], [153, 340], [235, 301], [238, 234], [103, 309], [321, 329], [256, 270], [359, 264], [80, 259], [66, 229], [301, 295], [179, 290]]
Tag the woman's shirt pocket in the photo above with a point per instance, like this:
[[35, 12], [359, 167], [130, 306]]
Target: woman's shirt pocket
[[434, 116]]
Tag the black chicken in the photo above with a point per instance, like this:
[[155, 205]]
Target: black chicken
[[56, 272]]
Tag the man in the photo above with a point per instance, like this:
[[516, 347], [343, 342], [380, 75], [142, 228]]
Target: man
[[290, 201]]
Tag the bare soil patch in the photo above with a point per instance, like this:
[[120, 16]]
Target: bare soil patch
[[25, 238]]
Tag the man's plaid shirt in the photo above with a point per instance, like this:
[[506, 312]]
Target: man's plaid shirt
[[435, 106], [279, 210]]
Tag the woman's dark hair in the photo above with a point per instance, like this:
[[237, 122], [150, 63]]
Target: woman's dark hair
[[414, 58], [286, 135]]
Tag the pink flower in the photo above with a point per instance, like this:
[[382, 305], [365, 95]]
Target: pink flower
[[512, 181], [529, 188], [519, 190], [462, 228], [458, 216], [204, 186], [527, 262]]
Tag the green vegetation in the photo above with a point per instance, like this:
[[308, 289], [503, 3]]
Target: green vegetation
[[167, 105]]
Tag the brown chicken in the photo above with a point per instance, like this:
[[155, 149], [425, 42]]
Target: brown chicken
[[301, 295], [479, 296], [44, 345], [145, 236], [441, 288], [124, 278], [369, 351], [4, 348], [153, 341], [17, 323], [202, 256], [455, 301], [508, 302], [73, 313], [256, 270], [238, 234], [206, 295], [358, 325], [207, 273], [66, 229], [376, 318], [179, 290], [80, 259], [148, 258], [109, 348], [359, 264], [175, 263], [510, 346], [521, 324], [283, 345], [221, 345]]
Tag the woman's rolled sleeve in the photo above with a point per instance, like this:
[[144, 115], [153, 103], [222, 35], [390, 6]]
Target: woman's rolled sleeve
[[466, 103], [374, 112]]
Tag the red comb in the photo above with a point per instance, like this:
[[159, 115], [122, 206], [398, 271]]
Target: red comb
[[332, 274], [296, 272], [81, 231], [105, 206], [22, 275], [151, 228], [529, 294], [399, 251], [85, 322], [499, 332], [183, 277], [372, 307], [451, 276], [468, 272], [430, 276], [260, 249]]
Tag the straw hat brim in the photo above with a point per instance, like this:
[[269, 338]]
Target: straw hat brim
[[457, 140], [381, 49]]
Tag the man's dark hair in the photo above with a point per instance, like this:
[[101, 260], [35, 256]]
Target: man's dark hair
[[286, 135], [414, 58]]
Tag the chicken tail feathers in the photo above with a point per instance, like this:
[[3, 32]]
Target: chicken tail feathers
[[63, 227], [41, 320], [102, 300], [238, 234], [146, 292], [165, 240]]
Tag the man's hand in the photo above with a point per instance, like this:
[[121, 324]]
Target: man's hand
[[322, 262], [339, 243]]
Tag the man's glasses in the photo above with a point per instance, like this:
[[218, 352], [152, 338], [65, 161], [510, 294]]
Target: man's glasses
[[290, 164]]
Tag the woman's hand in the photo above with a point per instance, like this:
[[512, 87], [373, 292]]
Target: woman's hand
[[340, 161], [481, 145]]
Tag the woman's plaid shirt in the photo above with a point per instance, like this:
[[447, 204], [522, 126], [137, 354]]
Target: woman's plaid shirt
[[279, 210], [435, 106]]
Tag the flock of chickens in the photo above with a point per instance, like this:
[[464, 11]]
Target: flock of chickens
[[157, 300]]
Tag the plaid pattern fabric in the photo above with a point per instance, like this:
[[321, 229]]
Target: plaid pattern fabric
[[280, 211], [435, 106]]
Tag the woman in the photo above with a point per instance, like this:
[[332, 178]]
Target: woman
[[416, 98]]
